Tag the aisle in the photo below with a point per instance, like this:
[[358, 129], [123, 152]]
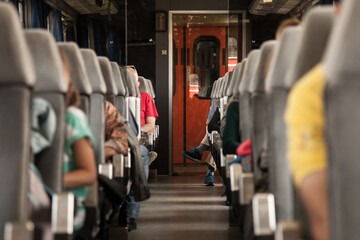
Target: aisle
[[182, 208]]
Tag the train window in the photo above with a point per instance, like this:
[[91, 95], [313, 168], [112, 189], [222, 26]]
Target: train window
[[206, 62]]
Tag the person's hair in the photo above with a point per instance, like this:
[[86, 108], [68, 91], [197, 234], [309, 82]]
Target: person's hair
[[286, 23], [72, 95], [336, 1]]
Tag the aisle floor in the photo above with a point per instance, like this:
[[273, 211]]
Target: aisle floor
[[181, 207]]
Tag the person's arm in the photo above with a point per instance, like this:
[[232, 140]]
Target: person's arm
[[109, 151], [149, 126], [85, 174]]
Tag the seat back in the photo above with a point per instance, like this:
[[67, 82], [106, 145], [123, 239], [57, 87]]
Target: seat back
[[151, 89], [259, 110], [280, 183], [143, 85], [134, 95], [214, 89], [78, 74], [97, 102], [223, 96], [233, 80], [123, 79], [342, 72], [319, 22], [51, 86], [107, 72], [245, 101], [239, 75], [137, 104], [17, 76], [120, 99]]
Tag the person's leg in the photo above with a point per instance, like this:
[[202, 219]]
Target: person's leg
[[130, 205], [313, 191], [195, 154], [209, 177], [211, 163]]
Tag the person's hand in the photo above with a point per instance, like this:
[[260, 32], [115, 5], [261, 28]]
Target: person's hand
[[109, 152]]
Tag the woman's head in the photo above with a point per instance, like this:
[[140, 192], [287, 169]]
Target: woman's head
[[72, 95], [286, 23]]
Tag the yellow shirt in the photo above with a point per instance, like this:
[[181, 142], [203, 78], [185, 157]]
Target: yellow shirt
[[305, 120]]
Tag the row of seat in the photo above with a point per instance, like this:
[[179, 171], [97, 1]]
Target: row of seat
[[31, 66], [261, 83]]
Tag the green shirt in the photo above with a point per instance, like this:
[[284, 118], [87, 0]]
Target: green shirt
[[231, 136], [77, 127]]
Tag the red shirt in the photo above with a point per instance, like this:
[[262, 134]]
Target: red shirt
[[148, 108]]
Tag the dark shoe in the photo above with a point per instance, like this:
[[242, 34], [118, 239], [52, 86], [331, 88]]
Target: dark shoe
[[131, 224], [193, 155], [210, 179], [228, 202]]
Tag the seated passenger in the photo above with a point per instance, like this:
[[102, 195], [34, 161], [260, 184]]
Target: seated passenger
[[148, 116], [307, 147], [195, 154], [79, 164], [129, 211], [115, 132]]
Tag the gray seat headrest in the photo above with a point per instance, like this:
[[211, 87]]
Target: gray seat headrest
[[226, 84], [258, 83], [143, 86], [108, 75], [76, 66], [213, 90], [118, 79], [48, 66], [283, 57], [234, 78], [240, 75], [123, 79], [93, 71], [318, 22], [219, 87], [251, 67], [136, 87], [16, 65], [130, 82], [341, 60], [151, 88]]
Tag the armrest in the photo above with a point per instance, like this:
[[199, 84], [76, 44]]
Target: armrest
[[229, 158], [62, 213], [235, 173], [288, 230], [19, 230], [264, 214], [147, 139], [246, 188], [106, 169]]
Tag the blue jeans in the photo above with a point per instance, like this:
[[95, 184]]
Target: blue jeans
[[132, 207]]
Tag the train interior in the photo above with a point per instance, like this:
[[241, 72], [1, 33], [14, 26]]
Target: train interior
[[168, 119]]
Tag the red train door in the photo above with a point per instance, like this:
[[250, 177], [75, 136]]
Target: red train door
[[199, 60]]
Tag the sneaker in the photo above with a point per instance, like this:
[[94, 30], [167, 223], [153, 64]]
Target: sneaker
[[193, 155], [131, 224], [210, 179], [153, 156]]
